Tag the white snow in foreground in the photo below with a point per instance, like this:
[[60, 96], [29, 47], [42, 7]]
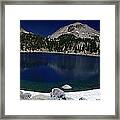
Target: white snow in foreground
[[86, 95]]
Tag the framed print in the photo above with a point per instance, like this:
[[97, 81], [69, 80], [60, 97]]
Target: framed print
[[60, 59]]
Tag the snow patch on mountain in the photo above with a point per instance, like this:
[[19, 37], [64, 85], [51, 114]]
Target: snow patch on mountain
[[78, 29]]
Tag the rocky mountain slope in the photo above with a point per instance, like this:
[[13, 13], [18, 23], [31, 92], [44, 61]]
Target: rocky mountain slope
[[77, 29]]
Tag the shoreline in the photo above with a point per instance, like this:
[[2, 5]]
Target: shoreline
[[60, 53], [85, 95]]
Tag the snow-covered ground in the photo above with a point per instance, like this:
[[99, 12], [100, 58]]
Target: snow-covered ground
[[54, 52], [80, 95], [85, 95]]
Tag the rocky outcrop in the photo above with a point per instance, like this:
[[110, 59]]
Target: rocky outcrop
[[57, 94], [82, 98], [24, 96]]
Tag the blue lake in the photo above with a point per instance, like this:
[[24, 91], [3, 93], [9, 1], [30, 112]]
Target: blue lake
[[44, 71]]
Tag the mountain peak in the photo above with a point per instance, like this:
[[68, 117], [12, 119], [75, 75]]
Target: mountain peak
[[78, 23], [23, 30], [78, 29]]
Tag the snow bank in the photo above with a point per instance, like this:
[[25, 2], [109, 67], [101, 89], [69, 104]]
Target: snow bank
[[80, 95]]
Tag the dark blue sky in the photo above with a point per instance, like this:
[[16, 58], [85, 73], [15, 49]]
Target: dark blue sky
[[47, 27]]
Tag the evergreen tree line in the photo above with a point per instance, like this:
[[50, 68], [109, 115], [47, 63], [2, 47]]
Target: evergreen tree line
[[67, 43]]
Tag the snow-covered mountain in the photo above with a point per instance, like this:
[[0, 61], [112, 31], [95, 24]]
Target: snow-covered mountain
[[69, 39], [24, 31], [78, 29]]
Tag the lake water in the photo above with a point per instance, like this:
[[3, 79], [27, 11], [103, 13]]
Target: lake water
[[44, 71]]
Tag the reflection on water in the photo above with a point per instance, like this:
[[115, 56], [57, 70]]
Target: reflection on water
[[44, 71]]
